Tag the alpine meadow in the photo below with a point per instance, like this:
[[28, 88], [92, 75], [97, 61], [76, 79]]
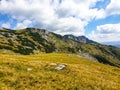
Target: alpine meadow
[[59, 44]]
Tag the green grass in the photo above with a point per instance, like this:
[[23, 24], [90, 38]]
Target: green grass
[[80, 74]]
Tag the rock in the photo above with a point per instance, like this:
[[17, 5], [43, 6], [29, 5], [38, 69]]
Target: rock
[[1, 36], [29, 69], [61, 67], [101, 76]]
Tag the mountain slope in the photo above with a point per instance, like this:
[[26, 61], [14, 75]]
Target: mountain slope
[[33, 40], [38, 72]]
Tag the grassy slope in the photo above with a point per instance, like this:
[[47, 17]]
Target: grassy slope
[[80, 74], [32, 40]]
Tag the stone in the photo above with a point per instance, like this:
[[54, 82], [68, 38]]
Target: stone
[[61, 67], [29, 69]]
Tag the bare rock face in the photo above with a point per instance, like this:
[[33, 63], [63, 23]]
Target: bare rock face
[[79, 38], [87, 56]]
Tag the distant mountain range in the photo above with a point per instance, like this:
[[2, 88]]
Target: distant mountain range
[[32, 40], [117, 46], [114, 43]]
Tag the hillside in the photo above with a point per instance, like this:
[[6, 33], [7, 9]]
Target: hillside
[[33, 40], [38, 72]]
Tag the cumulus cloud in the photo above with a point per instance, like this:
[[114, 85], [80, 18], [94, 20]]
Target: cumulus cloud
[[6, 25], [109, 28], [67, 16], [113, 7], [106, 33], [78, 8], [23, 24]]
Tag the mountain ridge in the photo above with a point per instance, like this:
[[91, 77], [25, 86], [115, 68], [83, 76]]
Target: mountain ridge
[[33, 40], [82, 38]]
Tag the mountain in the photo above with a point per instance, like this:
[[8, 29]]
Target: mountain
[[114, 43], [33, 40], [79, 38], [117, 46]]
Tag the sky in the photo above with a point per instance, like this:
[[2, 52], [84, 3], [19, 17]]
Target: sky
[[99, 20]]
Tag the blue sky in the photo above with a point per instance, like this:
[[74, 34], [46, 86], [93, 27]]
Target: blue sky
[[99, 20], [108, 20]]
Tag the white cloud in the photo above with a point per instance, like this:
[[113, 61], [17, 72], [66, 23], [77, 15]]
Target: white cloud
[[69, 16], [113, 7], [6, 25], [70, 25], [109, 28], [79, 8], [23, 25], [106, 33]]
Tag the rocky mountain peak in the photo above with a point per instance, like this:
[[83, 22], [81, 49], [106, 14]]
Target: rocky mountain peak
[[78, 38]]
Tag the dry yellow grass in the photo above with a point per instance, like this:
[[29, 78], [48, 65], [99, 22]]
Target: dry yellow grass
[[35, 72]]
